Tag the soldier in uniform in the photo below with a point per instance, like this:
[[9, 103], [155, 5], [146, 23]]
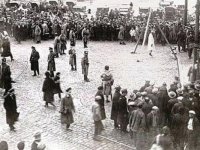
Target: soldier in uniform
[[51, 62], [85, 66], [85, 36], [34, 60]]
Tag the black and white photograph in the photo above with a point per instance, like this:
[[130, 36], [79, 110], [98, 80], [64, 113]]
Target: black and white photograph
[[99, 74]]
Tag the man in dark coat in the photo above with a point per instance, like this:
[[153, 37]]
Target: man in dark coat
[[115, 105], [122, 116], [6, 80], [51, 62], [48, 90], [10, 106], [34, 60]]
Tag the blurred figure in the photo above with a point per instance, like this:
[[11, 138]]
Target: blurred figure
[[96, 114]]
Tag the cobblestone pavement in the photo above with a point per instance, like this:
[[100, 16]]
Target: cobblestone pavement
[[129, 70]]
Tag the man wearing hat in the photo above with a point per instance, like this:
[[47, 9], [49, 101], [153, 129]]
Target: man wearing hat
[[96, 114], [178, 128], [34, 61], [193, 126], [51, 62], [152, 120], [10, 106], [36, 142], [137, 125], [173, 100], [85, 66]]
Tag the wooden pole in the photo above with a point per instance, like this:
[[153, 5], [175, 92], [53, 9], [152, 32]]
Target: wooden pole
[[196, 58], [138, 41], [147, 27], [185, 12]]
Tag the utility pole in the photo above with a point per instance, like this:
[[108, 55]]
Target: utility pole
[[196, 53], [185, 12], [196, 31]]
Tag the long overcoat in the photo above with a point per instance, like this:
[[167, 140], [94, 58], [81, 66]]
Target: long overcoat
[[85, 65], [10, 106], [101, 104], [34, 60], [6, 48], [48, 90], [115, 105], [122, 116], [66, 109], [51, 62], [6, 81]]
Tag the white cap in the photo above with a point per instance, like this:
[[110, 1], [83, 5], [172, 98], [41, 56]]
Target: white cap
[[192, 112], [155, 108], [180, 98]]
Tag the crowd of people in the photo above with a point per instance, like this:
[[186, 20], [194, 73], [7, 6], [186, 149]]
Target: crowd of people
[[47, 24]]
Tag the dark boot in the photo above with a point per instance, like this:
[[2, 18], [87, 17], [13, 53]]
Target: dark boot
[[11, 127], [87, 80], [72, 68], [84, 77], [68, 125]]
